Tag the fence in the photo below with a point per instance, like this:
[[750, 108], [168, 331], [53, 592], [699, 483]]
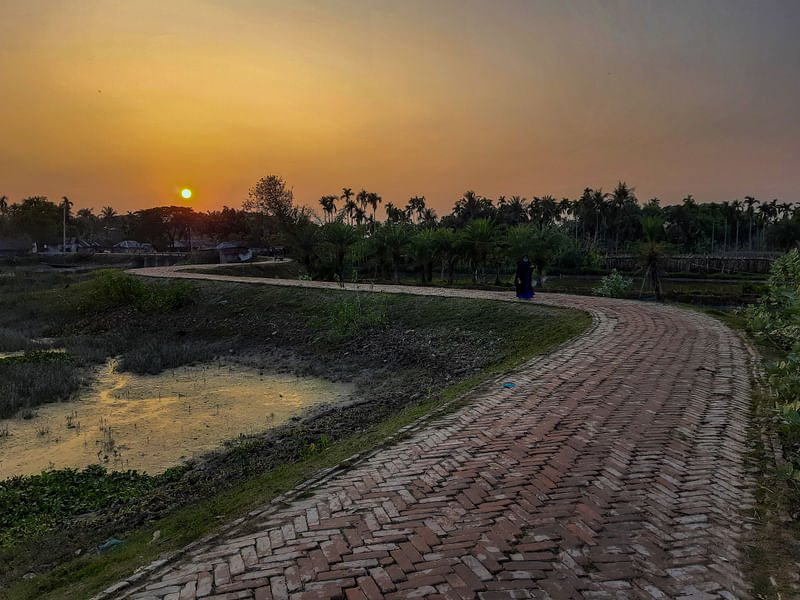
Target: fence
[[700, 263]]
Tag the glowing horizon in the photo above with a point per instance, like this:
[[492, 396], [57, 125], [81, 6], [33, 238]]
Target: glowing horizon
[[121, 104]]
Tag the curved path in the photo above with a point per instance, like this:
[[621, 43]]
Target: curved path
[[613, 469]]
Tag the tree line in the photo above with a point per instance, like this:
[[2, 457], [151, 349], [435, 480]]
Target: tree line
[[479, 231]]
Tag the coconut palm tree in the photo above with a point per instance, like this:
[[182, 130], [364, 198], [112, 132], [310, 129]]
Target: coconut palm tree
[[472, 206], [429, 220], [513, 211], [543, 211]]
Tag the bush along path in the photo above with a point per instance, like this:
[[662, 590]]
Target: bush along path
[[613, 468]]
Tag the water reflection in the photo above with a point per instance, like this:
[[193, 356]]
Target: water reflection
[[153, 422]]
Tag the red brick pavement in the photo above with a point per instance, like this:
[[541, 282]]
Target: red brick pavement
[[613, 469]]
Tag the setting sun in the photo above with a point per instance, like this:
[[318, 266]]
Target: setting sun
[[186, 193]]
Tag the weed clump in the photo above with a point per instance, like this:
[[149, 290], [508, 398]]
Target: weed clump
[[613, 285]]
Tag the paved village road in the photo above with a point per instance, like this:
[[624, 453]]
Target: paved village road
[[613, 469]]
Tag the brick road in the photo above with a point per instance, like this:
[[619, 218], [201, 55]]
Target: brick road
[[613, 469]]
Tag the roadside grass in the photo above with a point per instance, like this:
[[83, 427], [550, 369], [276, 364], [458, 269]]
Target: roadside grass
[[772, 552], [265, 268], [419, 353]]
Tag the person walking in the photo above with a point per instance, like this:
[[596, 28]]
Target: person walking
[[523, 278]]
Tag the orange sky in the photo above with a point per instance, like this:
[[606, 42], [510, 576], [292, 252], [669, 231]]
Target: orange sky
[[121, 103]]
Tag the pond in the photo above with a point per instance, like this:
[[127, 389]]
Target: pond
[[153, 422]]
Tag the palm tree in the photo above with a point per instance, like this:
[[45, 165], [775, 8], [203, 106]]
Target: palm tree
[[471, 206], [445, 244], [359, 215], [306, 239], [548, 244], [424, 250], [478, 241], [621, 197], [363, 198], [429, 220], [543, 211], [373, 200], [416, 205], [347, 193], [599, 206], [340, 237], [651, 256], [518, 207], [3, 211], [737, 208], [750, 202], [395, 238], [349, 209], [328, 206], [107, 213], [66, 205]]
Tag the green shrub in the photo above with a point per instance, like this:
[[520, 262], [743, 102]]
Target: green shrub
[[776, 320], [346, 318], [613, 285], [30, 504], [110, 288]]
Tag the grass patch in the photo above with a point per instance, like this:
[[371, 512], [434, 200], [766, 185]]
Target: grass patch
[[35, 378]]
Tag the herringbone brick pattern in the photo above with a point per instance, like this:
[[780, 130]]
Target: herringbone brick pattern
[[613, 469]]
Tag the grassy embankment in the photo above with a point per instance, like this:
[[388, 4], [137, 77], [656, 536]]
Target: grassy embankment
[[406, 356]]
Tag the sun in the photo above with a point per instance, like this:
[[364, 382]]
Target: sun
[[186, 193]]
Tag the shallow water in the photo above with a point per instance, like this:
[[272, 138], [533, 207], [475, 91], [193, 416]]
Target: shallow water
[[153, 422]]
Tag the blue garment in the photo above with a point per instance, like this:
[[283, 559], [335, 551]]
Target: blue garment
[[523, 279]]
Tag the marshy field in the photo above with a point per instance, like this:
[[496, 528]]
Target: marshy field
[[129, 405]]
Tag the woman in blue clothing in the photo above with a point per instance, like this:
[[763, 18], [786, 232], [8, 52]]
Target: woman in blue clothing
[[523, 279]]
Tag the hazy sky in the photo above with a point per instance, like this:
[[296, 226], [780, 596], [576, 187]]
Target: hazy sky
[[122, 103]]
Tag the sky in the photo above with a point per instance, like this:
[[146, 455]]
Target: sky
[[123, 104]]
